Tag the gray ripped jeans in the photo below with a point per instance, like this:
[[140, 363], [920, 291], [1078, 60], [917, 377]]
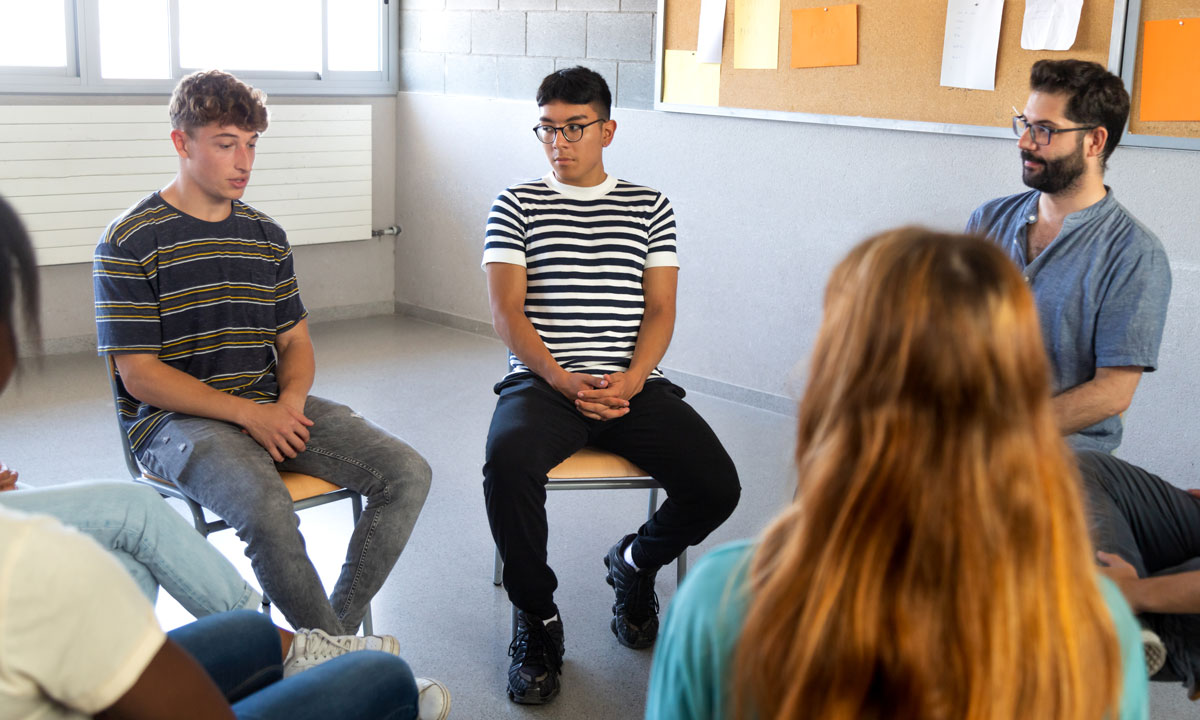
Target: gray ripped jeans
[[226, 471]]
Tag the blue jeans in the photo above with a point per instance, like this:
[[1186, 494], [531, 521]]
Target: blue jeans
[[1155, 527], [240, 651], [155, 544], [226, 471]]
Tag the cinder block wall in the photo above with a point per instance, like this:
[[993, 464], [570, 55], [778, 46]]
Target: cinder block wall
[[503, 48]]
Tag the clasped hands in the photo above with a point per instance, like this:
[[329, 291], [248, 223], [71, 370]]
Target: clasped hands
[[600, 398], [281, 427]]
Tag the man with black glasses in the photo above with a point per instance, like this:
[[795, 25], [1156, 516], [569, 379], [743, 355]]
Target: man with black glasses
[[1100, 278], [581, 270]]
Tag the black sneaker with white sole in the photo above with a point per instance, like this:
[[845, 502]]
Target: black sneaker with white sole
[[537, 653], [635, 612]]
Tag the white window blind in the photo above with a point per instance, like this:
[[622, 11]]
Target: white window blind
[[69, 170]]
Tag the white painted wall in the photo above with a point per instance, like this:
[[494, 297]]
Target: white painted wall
[[765, 209]]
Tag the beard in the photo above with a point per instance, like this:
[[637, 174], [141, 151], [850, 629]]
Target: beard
[[1055, 175]]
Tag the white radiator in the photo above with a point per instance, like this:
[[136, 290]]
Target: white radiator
[[69, 170]]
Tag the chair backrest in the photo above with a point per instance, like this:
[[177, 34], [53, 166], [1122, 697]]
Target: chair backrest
[[131, 462]]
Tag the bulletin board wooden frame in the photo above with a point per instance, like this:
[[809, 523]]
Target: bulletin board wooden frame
[[894, 100], [1179, 135]]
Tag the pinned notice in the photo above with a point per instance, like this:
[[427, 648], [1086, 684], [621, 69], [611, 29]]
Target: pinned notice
[[825, 36], [689, 82], [756, 34], [710, 38], [1171, 70], [1050, 24], [971, 43]]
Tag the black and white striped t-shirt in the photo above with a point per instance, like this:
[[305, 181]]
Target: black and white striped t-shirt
[[584, 251]]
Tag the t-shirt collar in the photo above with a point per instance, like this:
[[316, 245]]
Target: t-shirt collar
[[581, 193]]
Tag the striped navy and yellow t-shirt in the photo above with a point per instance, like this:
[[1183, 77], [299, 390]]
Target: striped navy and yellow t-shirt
[[584, 251], [207, 298]]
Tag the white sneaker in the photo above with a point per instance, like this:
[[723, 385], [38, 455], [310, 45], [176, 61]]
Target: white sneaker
[[1156, 652], [433, 700], [313, 647]]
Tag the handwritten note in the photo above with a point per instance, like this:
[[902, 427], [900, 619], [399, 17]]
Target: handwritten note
[[756, 34], [710, 39], [1170, 66], [971, 43], [688, 82], [1050, 24], [825, 36]]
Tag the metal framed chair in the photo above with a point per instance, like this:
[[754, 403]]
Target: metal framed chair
[[307, 491], [595, 469]]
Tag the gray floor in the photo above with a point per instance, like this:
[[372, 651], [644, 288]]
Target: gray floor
[[432, 386]]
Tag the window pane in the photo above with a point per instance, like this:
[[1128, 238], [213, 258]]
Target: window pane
[[281, 35], [33, 34], [354, 35], [134, 39]]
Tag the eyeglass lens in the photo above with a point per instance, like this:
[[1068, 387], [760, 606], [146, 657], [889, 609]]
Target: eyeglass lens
[[571, 133], [1040, 135]]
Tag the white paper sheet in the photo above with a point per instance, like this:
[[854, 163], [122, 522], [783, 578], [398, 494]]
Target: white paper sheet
[[1050, 24], [972, 41], [712, 31]]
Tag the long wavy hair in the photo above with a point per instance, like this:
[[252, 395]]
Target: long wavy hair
[[935, 563]]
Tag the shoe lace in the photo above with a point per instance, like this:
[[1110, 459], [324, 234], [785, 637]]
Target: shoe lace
[[533, 645], [641, 601]]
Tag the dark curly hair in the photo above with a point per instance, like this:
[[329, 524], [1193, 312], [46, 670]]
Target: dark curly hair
[[214, 96], [1095, 96]]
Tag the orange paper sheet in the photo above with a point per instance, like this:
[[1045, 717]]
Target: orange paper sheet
[[825, 36], [1171, 70]]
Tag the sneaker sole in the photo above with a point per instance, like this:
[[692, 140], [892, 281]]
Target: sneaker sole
[[533, 698]]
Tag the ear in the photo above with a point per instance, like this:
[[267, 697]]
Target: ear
[[179, 139], [609, 128], [1096, 140]]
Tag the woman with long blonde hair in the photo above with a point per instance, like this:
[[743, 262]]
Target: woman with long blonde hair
[[935, 563]]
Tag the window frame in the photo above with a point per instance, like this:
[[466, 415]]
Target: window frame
[[81, 76]]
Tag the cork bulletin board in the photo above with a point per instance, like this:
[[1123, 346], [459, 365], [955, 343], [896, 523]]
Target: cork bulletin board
[[896, 81], [1184, 135]]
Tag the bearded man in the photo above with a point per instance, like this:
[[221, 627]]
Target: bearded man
[[1100, 278]]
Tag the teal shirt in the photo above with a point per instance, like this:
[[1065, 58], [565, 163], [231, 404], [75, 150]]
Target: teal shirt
[[691, 671]]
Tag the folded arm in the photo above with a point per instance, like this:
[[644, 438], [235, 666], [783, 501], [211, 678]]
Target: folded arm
[[1108, 393]]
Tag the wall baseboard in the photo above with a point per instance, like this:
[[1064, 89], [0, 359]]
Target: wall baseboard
[[697, 383], [450, 320]]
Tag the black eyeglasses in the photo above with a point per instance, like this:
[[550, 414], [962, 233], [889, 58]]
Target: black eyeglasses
[[571, 132], [1040, 134]]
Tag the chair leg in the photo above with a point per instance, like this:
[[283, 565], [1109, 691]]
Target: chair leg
[[653, 504], [498, 569], [368, 627], [680, 568], [198, 518]]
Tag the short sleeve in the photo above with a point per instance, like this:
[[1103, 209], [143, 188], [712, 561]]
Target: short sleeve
[[73, 625], [1129, 325], [289, 309], [126, 297], [504, 236], [660, 251]]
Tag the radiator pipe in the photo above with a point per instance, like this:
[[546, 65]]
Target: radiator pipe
[[389, 230]]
